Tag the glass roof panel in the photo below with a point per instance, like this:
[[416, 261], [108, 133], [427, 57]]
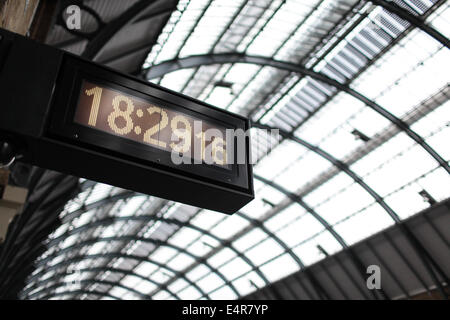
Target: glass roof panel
[[363, 224], [337, 38], [264, 251], [279, 268], [310, 253]]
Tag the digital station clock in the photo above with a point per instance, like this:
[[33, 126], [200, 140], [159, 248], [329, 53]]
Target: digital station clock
[[158, 126], [72, 115]]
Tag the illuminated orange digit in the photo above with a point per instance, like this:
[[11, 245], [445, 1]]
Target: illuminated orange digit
[[97, 92], [157, 127], [119, 113]]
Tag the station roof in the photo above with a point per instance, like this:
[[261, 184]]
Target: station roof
[[360, 94]]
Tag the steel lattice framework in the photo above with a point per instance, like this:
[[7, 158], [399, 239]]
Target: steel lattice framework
[[324, 54]]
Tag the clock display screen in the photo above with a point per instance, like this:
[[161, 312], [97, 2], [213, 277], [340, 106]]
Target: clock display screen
[[146, 122]]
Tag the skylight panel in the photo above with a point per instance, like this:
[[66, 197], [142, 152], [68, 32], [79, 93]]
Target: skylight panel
[[341, 142], [206, 219], [220, 97], [364, 224], [401, 169], [224, 293], [210, 27], [248, 283], [210, 282], [407, 201], [190, 293], [436, 120], [299, 230], [223, 256], [177, 79], [369, 122], [440, 20], [130, 281], [270, 194], [303, 171], [285, 217], [100, 191], [162, 275], [241, 73], [163, 254], [309, 252], [270, 166], [178, 285], [97, 248], [83, 218], [132, 205], [145, 268], [250, 239], [235, 268], [230, 226], [180, 261], [180, 30], [198, 272], [439, 141], [348, 201], [184, 237], [380, 155], [255, 208], [328, 189], [264, 251], [436, 183], [342, 107], [201, 246], [161, 295], [279, 268]]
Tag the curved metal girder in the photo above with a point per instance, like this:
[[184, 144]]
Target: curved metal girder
[[339, 164], [124, 256], [76, 292], [295, 198], [415, 243], [416, 21], [90, 281], [106, 33], [147, 218], [96, 204], [316, 284], [224, 58], [99, 269], [158, 243], [126, 195]]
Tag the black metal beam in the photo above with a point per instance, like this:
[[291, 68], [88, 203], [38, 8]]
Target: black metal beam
[[155, 242], [107, 32], [76, 292], [254, 222], [317, 286], [224, 58], [128, 194], [148, 218], [416, 21], [88, 281], [295, 198], [119, 255], [95, 269]]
